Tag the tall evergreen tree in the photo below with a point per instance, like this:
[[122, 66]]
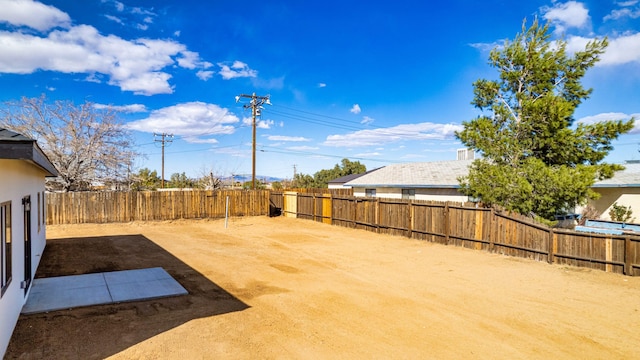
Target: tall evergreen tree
[[534, 158]]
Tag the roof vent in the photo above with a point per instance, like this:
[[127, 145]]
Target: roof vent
[[465, 154]]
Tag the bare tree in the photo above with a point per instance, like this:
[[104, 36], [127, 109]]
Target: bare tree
[[88, 146], [208, 179]]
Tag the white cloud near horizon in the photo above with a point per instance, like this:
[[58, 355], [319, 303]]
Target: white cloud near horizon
[[621, 50], [287, 138], [613, 116], [192, 120], [376, 137], [355, 109], [302, 148], [366, 120], [136, 65], [131, 108]]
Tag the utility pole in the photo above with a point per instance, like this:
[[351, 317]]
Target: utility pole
[[164, 138], [294, 171], [255, 104]]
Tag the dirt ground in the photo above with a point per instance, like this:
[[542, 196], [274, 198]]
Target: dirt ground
[[278, 288]]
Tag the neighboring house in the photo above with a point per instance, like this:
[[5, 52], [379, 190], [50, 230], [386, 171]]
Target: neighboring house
[[340, 182], [437, 181], [623, 188], [23, 168]]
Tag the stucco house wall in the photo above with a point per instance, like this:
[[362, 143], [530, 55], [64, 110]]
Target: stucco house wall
[[23, 168], [623, 188], [433, 194], [20, 179], [629, 197]]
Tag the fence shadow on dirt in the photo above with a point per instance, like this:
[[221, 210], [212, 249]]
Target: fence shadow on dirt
[[104, 330]]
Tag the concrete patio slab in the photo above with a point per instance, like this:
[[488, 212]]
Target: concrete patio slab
[[65, 292]]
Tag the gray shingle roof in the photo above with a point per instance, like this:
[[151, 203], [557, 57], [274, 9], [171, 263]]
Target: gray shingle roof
[[8, 135], [436, 174], [629, 177], [444, 174], [347, 178]]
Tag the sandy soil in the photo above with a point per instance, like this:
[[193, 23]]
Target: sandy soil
[[285, 288]]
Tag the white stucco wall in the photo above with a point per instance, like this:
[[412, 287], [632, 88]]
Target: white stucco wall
[[623, 196], [432, 194], [18, 179]]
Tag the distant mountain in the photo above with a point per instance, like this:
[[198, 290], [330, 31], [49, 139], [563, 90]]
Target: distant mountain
[[244, 178]]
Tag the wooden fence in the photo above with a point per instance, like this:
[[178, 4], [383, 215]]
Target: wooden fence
[[444, 223], [106, 207], [467, 226]]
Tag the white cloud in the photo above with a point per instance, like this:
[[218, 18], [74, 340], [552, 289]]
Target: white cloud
[[193, 120], [287, 138], [486, 47], [367, 120], [33, 14], [197, 140], [623, 13], [302, 148], [131, 108], [613, 116], [176, 33], [321, 85], [621, 50], [376, 137], [370, 154], [133, 65], [114, 19], [571, 14], [236, 70], [204, 75], [274, 83], [355, 109], [260, 124]]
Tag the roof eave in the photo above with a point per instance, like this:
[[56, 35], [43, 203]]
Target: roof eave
[[27, 150]]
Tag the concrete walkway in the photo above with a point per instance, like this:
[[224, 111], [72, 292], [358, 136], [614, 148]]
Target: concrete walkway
[[65, 292]]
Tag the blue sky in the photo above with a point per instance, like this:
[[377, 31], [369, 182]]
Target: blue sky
[[377, 82]]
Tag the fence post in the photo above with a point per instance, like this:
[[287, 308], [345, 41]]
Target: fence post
[[493, 230], [332, 208], [410, 204], [550, 255], [377, 215], [313, 199], [355, 211], [446, 223], [628, 270]]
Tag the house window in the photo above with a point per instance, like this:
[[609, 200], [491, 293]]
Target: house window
[[409, 194], [370, 192], [5, 246]]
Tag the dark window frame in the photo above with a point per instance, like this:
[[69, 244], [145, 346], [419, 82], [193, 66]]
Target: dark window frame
[[6, 243], [409, 194]]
